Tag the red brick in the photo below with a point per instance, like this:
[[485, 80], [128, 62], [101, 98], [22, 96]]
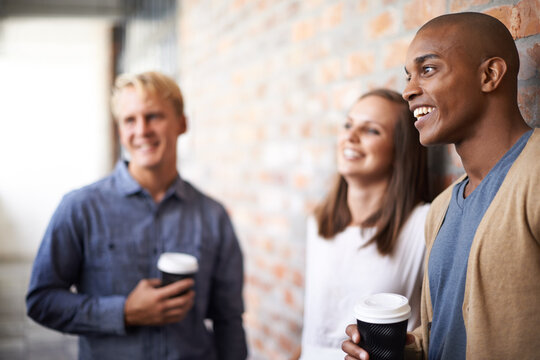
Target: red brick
[[329, 71], [288, 297], [534, 53], [262, 5], [462, 5], [522, 20], [306, 131], [259, 345], [418, 12], [360, 63], [332, 16], [396, 52], [297, 278], [279, 271], [303, 30], [286, 344], [237, 4], [384, 24], [390, 83], [363, 6], [509, 16], [529, 62], [300, 181], [311, 4], [529, 18], [529, 104]]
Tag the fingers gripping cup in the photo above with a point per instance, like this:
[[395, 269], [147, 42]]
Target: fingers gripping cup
[[176, 266], [382, 323]]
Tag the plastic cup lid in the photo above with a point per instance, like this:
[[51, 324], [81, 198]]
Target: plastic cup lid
[[177, 263], [383, 308]]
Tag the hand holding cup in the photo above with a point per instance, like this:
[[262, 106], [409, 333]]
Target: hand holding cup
[[381, 328], [176, 266]]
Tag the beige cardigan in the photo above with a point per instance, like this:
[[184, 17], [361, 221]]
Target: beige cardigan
[[501, 306]]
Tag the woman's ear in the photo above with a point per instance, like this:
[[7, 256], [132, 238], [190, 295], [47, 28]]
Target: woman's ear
[[493, 71]]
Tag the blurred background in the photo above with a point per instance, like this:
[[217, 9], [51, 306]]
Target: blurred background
[[266, 83]]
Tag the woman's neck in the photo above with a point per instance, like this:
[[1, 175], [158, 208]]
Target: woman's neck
[[364, 199]]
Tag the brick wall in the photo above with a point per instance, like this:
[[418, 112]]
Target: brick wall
[[267, 83]]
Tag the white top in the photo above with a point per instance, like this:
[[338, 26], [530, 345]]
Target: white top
[[339, 272]]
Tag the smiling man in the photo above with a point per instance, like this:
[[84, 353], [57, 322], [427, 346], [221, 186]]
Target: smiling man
[[482, 279], [104, 241]]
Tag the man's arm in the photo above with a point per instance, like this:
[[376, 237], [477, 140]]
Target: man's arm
[[57, 268], [226, 304], [50, 300]]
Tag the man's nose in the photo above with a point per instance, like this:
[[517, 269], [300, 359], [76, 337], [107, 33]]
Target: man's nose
[[412, 90], [141, 126]]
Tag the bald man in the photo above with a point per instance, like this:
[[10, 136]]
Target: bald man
[[482, 280]]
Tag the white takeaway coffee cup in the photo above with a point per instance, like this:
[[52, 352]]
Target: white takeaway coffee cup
[[175, 266]]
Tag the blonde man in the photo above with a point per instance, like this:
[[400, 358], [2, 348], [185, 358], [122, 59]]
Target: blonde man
[[105, 240]]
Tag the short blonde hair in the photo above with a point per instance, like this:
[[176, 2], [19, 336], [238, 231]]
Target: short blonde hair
[[150, 82]]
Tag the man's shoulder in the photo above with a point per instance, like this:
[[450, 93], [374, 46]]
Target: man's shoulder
[[525, 171], [531, 152], [89, 192], [196, 196]]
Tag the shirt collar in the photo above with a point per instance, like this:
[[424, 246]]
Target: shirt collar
[[127, 185]]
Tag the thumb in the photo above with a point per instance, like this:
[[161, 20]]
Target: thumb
[[153, 282], [410, 339]]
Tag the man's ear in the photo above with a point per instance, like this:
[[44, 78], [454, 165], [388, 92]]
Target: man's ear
[[492, 71], [183, 124]]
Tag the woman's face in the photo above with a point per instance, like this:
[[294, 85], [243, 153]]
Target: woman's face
[[366, 141]]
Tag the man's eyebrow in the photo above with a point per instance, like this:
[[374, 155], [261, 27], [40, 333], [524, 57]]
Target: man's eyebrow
[[421, 59]]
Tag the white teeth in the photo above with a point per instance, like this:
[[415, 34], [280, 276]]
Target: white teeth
[[350, 154], [145, 147], [423, 110]]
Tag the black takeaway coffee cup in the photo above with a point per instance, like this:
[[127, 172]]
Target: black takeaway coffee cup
[[176, 266], [382, 323]]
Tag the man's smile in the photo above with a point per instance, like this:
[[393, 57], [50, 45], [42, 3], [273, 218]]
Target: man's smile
[[422, 111]]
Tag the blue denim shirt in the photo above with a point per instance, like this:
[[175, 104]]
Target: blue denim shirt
[[106, 237]]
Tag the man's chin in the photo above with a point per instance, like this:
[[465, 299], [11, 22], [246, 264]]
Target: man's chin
[[144, 164], [429, 139]]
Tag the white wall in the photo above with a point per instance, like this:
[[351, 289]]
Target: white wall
[[54, 122]]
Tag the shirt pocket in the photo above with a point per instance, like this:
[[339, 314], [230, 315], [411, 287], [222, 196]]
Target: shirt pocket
[[115, 262]]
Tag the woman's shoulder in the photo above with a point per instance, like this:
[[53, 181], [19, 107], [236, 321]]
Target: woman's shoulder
[[420, 212], [413, 230]]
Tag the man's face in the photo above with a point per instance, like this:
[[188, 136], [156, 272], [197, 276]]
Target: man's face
[[149, 129], [443, 87]]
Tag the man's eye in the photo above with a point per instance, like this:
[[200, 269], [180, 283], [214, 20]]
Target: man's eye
[[428, 69], [347, 125], [129, 120]]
